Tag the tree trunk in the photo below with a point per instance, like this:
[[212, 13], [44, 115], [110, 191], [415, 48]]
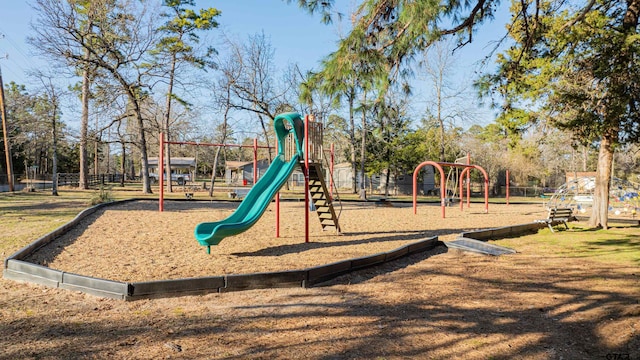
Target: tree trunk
[[266, 136], [600, 214], [352, 145], [123, 165], [142, 145], [96, 157], [363, 150], [215, 167], [167, 117], [54, 149], [84, 125]]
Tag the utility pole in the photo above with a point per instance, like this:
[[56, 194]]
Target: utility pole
[[7, 147]]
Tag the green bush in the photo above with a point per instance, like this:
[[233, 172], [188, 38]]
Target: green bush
[[103, 195]]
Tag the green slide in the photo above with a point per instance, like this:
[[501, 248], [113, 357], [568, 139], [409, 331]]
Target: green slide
[[261, 194]]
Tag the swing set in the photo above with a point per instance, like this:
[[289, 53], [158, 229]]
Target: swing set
[[466, 170]]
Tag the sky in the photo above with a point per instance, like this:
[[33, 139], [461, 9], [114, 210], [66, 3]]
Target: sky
[[296, 37]]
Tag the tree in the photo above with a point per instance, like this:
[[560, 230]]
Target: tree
[[50, 109], [346, 79], [330, 82], [256, 89], [446, 99], [579, 64], [391, 125], [180, 31], [578, 69], [230, 72], [24, 132], [387, 34], [122, 35]]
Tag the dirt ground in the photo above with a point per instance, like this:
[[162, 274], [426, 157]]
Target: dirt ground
[[444, 304]]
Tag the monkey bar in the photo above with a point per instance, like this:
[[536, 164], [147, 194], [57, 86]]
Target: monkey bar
[[161, 169]]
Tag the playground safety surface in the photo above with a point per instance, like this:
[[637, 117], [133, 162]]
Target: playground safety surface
[[134, 242], [438, 304]]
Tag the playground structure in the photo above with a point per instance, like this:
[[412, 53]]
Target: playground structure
[[18, 269], [466, 169], [453, 178], [578, 195], [299, 143]]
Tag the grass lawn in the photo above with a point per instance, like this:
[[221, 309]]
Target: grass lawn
[[620, 244]]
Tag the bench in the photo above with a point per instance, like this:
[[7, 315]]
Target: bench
[[558, 215], [189, 190], [238, 193]]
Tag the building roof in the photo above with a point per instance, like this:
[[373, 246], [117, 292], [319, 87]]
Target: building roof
[[237, 164], [175, 162]]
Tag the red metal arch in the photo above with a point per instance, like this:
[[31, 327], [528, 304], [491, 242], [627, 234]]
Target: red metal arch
[[443, 185]]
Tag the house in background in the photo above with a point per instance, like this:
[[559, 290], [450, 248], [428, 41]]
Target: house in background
[[241, 172]]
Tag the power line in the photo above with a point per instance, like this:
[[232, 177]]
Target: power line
[[18, 65], [15, 45]]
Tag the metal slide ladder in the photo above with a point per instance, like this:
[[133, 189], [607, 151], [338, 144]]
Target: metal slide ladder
[[321, 199]]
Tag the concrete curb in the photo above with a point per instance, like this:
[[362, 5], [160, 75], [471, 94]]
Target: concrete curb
[[504, 232]]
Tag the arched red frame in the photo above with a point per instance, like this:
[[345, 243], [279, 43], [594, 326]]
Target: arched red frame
[[443, 184]]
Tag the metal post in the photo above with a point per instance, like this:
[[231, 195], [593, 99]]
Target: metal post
[[277, 204], [306, 178], [255, 160], [469, 182], [7, 147]]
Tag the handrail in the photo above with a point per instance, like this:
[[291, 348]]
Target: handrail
[[333, 183]]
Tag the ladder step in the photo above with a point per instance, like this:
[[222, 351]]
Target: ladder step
[[320, 197]]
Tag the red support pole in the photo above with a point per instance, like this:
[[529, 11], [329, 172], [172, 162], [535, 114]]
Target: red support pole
[[255, 160], [443, 185], [161, 173], [306, 178], [460, 189], [486, 187], [507, 187], [277, 203], [469, 182]]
